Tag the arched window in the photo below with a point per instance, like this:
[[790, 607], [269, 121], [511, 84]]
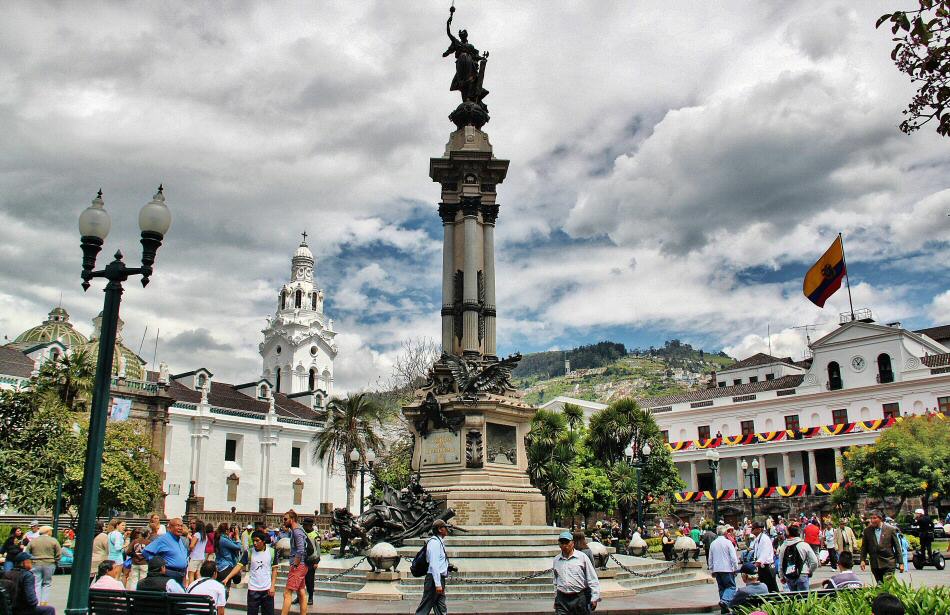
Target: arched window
[[277, 379], [884, 371], [298, 297], [834, 376], [313, 301], [283, 300], [202, 380], [263, 393], [312, 379]]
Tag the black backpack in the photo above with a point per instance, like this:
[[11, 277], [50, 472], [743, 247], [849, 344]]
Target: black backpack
[[313, 551], [792, 562], [420, 563]]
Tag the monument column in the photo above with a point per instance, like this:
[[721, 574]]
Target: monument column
[[489, 214], [470, 307], [447, 213]]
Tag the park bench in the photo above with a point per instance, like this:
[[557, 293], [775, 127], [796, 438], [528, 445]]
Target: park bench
[[110, 602]]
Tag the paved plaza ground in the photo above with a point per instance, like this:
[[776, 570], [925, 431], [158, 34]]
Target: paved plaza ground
[[684, 601]]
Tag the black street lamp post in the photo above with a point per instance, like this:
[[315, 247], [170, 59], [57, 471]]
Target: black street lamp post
[[753, 477], [94, 225], [712, 458], [638, 459], [365, 463]]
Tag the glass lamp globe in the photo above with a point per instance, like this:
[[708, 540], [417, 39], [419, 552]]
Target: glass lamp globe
[[745, 465], [712, 455], [646, 450], [755, 464], [155, 216], [370, 456], [628, 451], [94, 221], [354, 455]]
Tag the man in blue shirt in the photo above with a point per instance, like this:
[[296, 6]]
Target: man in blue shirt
[[172, 549], [433, 590]]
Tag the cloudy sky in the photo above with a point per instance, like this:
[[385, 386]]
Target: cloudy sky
[[673, 171]]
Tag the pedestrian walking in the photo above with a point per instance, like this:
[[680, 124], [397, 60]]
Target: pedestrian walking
[[880, 547], [313, 537], [116, 540], [207, 584], [25, 601], [107, 577], [172, 549], [158, 579], [577, 588], [845, 540], [797, 561], [433, 588], [197, 542], [829, 544], [139, 565], [297, 576], [811, 534], [580, 543], [723, 563], [100, 550], [668, 541], [261, 565], [227, 553], [46, 553], [763, 556]]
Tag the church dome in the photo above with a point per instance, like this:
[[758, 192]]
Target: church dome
[[303, 251], [134, 364], [55, 327]]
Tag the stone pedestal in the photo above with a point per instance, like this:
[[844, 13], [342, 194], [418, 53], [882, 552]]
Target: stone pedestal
[[379, 586]]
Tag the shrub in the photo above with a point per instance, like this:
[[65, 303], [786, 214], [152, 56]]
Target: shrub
[[917, 601]]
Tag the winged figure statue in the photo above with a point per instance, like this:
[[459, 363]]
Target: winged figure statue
[[471, 378]]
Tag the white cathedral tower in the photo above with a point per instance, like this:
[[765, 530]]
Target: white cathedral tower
[[298, 347]]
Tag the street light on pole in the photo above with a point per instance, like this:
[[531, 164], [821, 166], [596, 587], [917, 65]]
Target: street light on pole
[[752, 476], [94, 226], [712, 458], [638, 459], [365, 462]]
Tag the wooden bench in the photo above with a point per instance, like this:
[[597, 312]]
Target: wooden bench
[[110, 602]]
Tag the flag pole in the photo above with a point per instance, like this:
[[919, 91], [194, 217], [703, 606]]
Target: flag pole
[[847, 278]]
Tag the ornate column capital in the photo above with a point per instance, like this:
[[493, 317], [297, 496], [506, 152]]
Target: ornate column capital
[[447, 212], [490, 212], [471, 205]]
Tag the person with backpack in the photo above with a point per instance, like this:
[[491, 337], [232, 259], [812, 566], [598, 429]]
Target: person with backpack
[[297, 576], [261, 564], [313, 555], [797, 561], [227, 552], [21, 585], [436, 570], [207, 585]]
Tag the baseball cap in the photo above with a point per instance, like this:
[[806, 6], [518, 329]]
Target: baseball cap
[[156, 564], [749, 568], [22, 556], [566, 536], [437, 524], [34, 523], [249, 527], [919, 511], [758, 525]]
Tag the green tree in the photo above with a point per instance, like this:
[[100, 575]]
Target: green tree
[[574, 415], [922, 52], [68, 377], [909, 460], [590, 490], [392, 468], [350, 425], [551, 451]]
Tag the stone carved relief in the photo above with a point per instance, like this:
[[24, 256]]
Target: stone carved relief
[[431, 418], [474, 457]]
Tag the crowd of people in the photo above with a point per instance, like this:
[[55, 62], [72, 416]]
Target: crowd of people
[[196, 558]]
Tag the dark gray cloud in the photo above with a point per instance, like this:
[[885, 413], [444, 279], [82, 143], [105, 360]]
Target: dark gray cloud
[[196, 340]]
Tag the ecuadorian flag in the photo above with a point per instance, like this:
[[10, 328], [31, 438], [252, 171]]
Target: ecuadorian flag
[[824, 278]]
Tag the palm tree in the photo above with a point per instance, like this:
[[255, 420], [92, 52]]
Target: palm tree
[[70, 378], [551, 450], [574, 415], [349, 425]]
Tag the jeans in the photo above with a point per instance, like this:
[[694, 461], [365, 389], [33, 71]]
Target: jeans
[[44, 581], [432, 601], [260, 603], [798, 585], [724, 581]]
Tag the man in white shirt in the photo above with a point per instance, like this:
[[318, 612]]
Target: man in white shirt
[[207, 585], [724, 562], [575, 580], [433, 590], [261, 564], [34, 531], [764, 555]]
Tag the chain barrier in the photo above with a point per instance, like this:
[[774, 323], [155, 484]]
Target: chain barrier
[[533, 575], [644, 575], [340, 574]]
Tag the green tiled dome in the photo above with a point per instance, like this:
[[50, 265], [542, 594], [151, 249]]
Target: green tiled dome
[[134, 365], [56, 327]]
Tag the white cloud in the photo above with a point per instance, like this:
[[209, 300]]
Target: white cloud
[[940, 308]]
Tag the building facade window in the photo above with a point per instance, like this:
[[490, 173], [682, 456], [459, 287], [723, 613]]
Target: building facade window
[[277, 379], [748, 427], [283, 300], [263, 392], [721, 384], [943, 404], [737, 382], [753, 379], [884, 372], [230, 449], [834, 376], [295, 457], [792, 422], [312, 379], [892, 410], [703, 431], [313, 301], [298, 298], [770, 376], [666, 436], [839, 416]]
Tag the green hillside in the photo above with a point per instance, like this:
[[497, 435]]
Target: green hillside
[[673, 368]]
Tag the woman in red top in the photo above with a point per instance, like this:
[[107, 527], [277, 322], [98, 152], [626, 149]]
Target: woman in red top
[[812, 533]]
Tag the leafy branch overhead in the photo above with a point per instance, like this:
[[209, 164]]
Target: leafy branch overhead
[[922, 52]]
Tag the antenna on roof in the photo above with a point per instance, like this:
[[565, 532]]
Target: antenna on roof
[[142, 343], [806, 354], [155, 352], [768, 328]]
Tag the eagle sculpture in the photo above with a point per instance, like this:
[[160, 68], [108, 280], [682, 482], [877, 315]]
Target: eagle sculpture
[[473, 378]]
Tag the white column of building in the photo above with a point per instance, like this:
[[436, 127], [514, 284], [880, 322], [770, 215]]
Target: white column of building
[[740, 475], [763, 475], [812, 469], [786, 469], [447, 213], [470, 286], [839, 468], [488, 250], [693, 477]]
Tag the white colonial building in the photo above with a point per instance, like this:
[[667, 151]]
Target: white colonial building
[[244, 447], [795, 418]]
